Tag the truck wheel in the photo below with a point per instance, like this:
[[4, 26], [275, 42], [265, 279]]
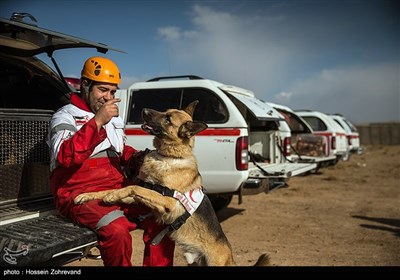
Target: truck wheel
[[219, 202], [346, 156]]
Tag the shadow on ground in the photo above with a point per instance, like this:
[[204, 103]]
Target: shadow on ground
[[393, 224], [227, 212]]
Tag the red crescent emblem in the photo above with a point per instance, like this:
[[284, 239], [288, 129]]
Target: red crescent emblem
[[191, 197]]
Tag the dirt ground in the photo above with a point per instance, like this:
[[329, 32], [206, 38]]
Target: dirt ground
[[344, 215]]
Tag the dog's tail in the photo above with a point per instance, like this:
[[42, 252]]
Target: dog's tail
[[263, 260]]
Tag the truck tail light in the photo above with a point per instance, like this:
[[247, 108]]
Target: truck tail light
[[333, 142], [286, 146], [242, 153]]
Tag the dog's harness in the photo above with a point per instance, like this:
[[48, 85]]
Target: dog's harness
[[190, 201]]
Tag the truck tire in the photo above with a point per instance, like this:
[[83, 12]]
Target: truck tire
[[219, 202], [346, 156]]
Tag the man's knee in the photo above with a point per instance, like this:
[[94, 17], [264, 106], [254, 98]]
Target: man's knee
[[119, 228]]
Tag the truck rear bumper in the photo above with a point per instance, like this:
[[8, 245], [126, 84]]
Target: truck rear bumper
[[42, 240], [255, 186], [263, 185]]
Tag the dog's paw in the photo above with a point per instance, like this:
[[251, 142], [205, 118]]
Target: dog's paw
[[128, 200], [84, 197], [124, 195], [111, 198], [190, 257]]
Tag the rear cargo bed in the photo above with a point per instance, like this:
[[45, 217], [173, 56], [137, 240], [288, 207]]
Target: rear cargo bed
[[31, 232]]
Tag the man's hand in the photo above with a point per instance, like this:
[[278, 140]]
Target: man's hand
[[107, 112], [135, 162]]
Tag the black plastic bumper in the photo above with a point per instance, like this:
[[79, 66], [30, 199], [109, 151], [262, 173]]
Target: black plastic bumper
[[39, 240]]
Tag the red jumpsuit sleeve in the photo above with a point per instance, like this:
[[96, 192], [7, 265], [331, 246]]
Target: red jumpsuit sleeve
[[81, 145]]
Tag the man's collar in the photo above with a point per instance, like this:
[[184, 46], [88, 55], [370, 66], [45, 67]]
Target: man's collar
[[79, 102]]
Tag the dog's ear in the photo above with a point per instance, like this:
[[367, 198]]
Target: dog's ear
[[190, 108], [189, 129]]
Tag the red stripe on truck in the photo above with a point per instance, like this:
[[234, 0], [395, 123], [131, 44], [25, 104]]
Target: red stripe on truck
[[207, 132], [219, 132], [323, 133], [135, 131], [329, 133]]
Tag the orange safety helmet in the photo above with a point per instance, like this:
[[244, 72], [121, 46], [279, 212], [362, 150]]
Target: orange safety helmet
[[101, 69]]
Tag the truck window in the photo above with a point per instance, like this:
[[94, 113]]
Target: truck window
[[210, 108], [294, 122], [352, 127], [341, 125], [315, 123]]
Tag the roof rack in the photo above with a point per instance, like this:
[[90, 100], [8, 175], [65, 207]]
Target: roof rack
[[304, 110], [189, 77], [336, 114]]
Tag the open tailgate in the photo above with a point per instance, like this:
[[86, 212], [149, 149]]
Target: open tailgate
[[23, 39], [279, 170]]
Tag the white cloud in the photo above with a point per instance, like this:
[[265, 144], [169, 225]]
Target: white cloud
[[170, 33], [173, 33], [283, 97], [126, 81], [227, 47], [282, 63], [361, 93]]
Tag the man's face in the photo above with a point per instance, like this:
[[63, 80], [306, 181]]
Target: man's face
[[99, 94]]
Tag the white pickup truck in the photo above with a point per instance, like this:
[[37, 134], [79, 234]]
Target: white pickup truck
[[299, 143], [322, 124], [237, 154]]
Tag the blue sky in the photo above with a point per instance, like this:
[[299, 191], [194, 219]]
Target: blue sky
[[333, 56]]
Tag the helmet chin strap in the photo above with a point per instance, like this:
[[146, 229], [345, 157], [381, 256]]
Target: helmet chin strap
[[85, 90]]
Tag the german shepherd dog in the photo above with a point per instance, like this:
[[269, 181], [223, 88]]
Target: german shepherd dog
[[172, 188]]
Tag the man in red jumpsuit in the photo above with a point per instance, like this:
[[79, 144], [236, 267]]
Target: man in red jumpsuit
[[88, 153]]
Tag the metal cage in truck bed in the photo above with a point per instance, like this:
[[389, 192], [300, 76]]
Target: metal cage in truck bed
[[31, 231]]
